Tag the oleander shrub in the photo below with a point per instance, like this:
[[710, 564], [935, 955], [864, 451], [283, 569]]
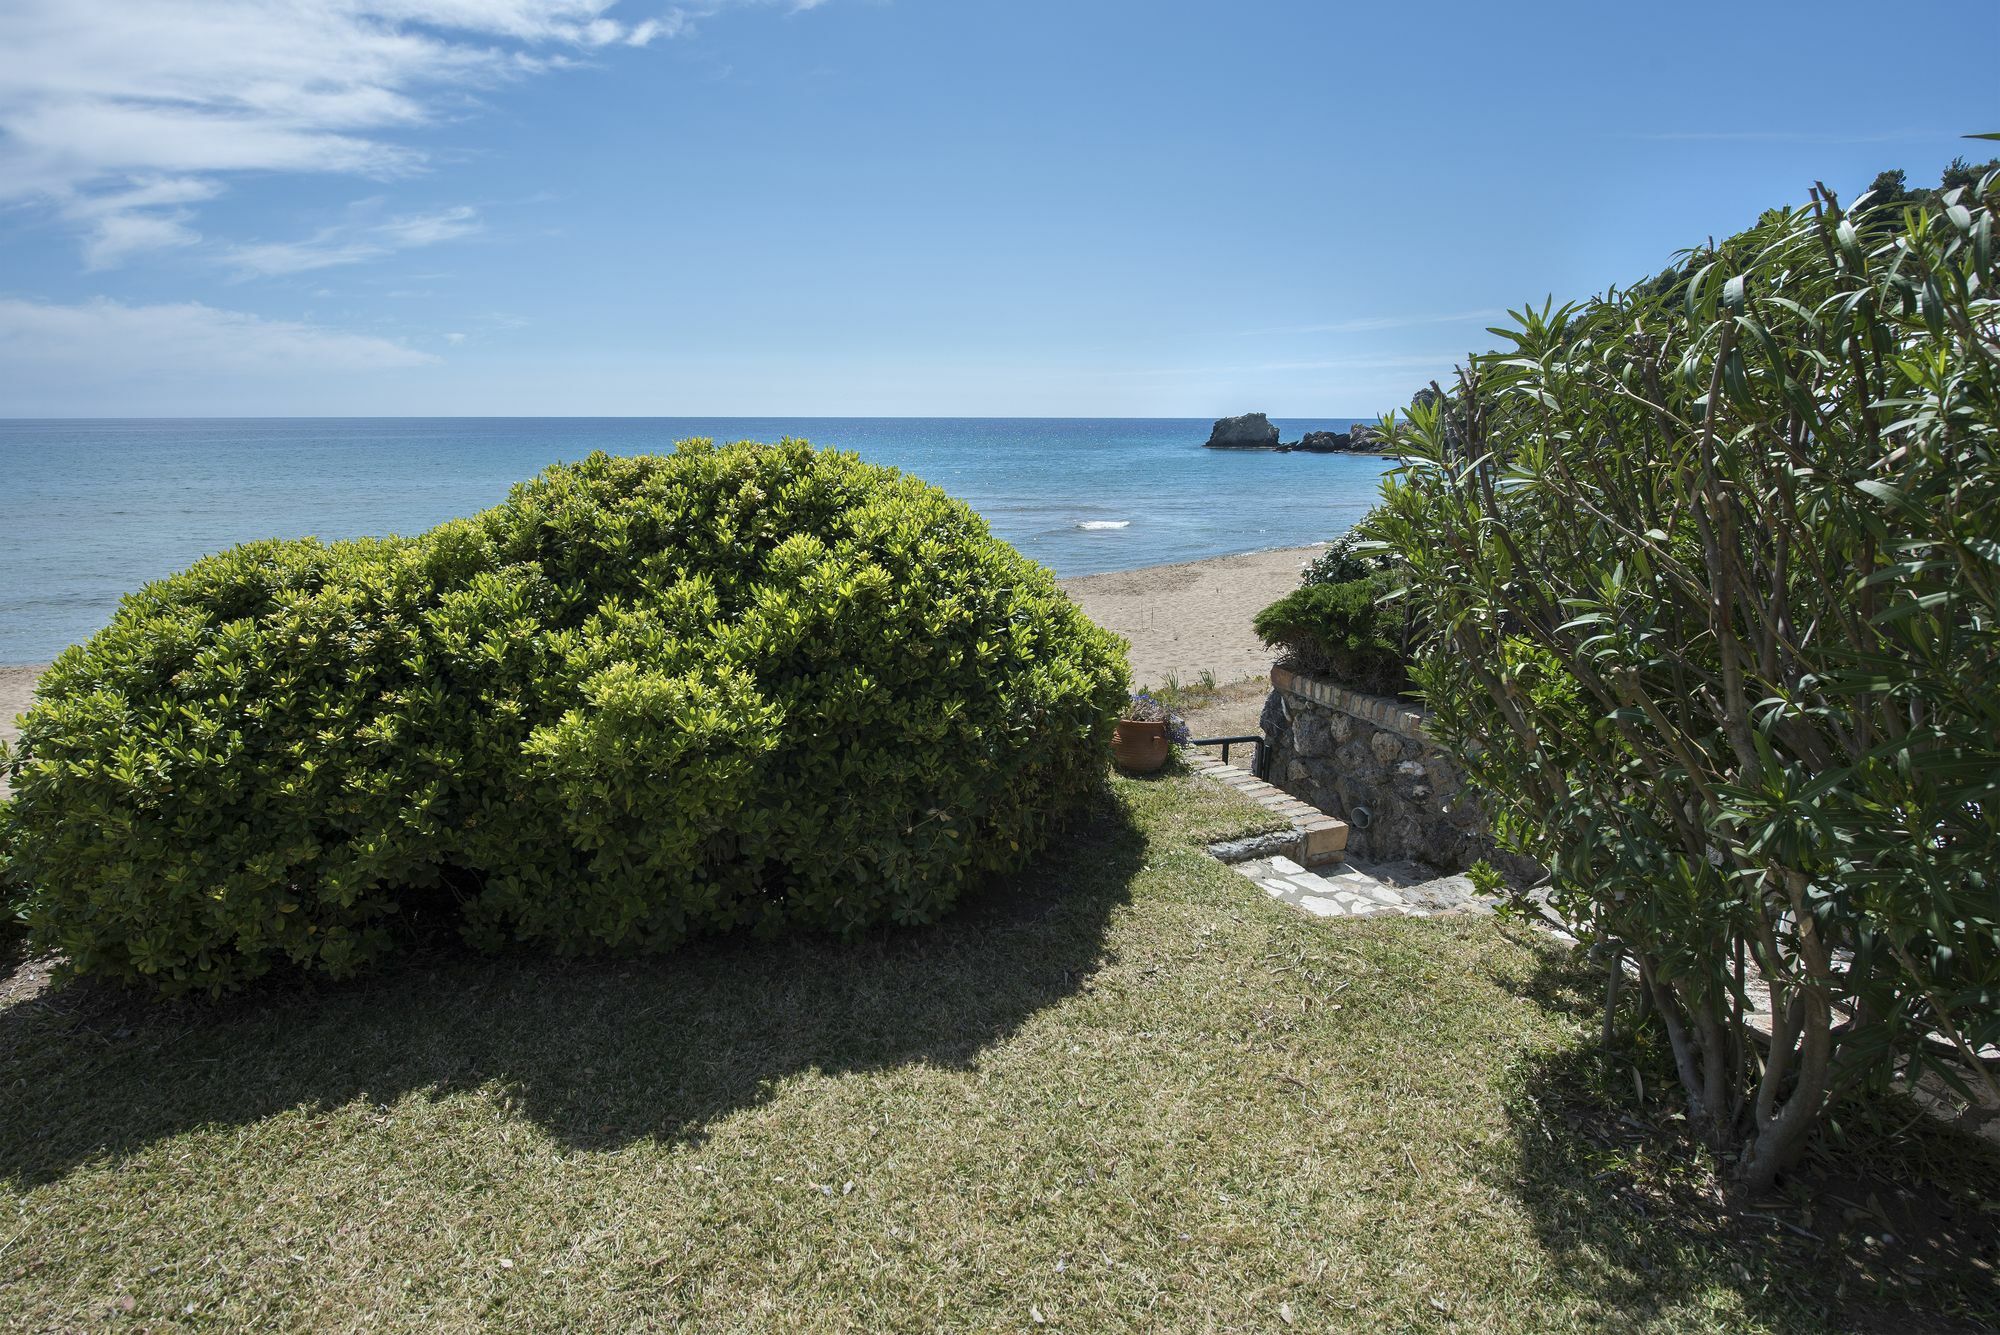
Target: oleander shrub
[[643, 700], [1342, 630], [1710, 589]]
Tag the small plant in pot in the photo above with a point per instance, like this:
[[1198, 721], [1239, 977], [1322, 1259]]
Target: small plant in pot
[[1147, 734]]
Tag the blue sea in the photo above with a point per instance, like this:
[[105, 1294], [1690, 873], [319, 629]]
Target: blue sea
[[90, 510]]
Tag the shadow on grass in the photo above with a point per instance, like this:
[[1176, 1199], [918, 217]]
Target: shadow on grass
[[599, 1053], [1175, 766], [1886, 1226]]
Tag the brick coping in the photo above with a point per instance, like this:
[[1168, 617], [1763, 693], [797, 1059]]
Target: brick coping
[[1398, 716], [1319, 839]]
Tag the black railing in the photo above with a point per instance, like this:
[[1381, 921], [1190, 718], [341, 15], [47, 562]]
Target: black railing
[[1256, 756]]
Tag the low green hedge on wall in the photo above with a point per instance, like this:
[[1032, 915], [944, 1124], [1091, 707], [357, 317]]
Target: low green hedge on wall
[[1341, 630]]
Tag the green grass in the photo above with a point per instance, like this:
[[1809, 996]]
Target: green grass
[[1122, 1092], [1185, 696]]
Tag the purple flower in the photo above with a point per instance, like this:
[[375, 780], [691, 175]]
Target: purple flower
[[1145, 709]]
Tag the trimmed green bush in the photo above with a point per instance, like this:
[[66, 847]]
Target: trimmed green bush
[[1341, 631], [645, 699]]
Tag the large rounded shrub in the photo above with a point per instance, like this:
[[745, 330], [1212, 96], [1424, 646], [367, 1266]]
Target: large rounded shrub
[[644, 699]]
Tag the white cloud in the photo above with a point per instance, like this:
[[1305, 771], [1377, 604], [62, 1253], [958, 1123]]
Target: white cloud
[[100, 97], [352, 243], [147, 215], [673, 25], [108, 339], [117, 235]]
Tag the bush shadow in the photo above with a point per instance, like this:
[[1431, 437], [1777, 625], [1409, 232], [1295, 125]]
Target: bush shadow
[[598, 1053], [1882, 1228]]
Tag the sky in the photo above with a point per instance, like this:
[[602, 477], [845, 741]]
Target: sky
[[1144, 208]]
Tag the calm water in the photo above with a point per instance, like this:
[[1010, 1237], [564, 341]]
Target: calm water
[[92, 510]]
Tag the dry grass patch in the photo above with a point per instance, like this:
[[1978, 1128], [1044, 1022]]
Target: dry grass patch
[[1119, 1092]]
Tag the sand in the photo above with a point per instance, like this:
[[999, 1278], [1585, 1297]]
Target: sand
[[1182, 620], [1194, 617], [16, 684]]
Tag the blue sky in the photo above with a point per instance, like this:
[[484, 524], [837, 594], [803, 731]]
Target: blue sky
[[862, 207]]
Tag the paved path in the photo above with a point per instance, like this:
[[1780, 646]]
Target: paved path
[[1339, 891], [1350, 889]]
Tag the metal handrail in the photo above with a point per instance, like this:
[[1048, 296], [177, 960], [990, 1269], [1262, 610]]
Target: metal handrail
[[1256, 757]]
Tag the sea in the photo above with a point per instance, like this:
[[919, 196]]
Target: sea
[[93, 509]]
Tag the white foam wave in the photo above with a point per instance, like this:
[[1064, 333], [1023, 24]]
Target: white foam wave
[[1094, 524]]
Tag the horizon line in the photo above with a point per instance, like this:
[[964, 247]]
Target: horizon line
[[676, 417]]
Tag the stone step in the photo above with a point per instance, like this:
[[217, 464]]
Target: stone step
[[1317, 839]]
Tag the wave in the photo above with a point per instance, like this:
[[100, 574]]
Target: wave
[[1095, 524]]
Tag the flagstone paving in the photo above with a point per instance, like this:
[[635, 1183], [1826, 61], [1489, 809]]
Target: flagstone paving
[[1337, 892], [1306, 866], [1354, 890]]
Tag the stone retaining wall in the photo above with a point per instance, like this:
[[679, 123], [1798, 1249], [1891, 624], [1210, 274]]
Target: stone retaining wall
[[1364, 759]]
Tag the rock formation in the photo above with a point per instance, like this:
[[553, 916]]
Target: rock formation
[[1251, 431], [1356, 440]]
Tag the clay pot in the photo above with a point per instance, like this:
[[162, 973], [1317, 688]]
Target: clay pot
[[1140, 746]]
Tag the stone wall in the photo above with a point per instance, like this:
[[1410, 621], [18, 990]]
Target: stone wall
[[1364, 759]]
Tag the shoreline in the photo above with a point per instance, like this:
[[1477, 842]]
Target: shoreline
[[1183, 618]]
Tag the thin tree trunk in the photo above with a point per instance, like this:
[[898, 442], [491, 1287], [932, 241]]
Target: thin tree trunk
[[1778, 1140]]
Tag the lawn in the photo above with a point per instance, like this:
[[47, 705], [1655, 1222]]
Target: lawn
[[1121, 1091]]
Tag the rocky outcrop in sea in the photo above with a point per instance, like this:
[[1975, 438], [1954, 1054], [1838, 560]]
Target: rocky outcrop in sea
[[1254, 431], [1251, 431]]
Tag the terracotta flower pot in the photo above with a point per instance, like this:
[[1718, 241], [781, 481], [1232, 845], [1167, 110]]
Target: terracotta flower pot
[[1140, 746]]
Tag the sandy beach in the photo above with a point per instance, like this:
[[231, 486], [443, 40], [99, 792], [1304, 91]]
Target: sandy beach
[[1193, 617], [1182, 619], [16, 685]]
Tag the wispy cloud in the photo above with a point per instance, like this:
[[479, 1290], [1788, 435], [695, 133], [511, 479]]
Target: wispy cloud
[[352, 243], [101, 100], [1371, 323], [149, 214], [101, 337]]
